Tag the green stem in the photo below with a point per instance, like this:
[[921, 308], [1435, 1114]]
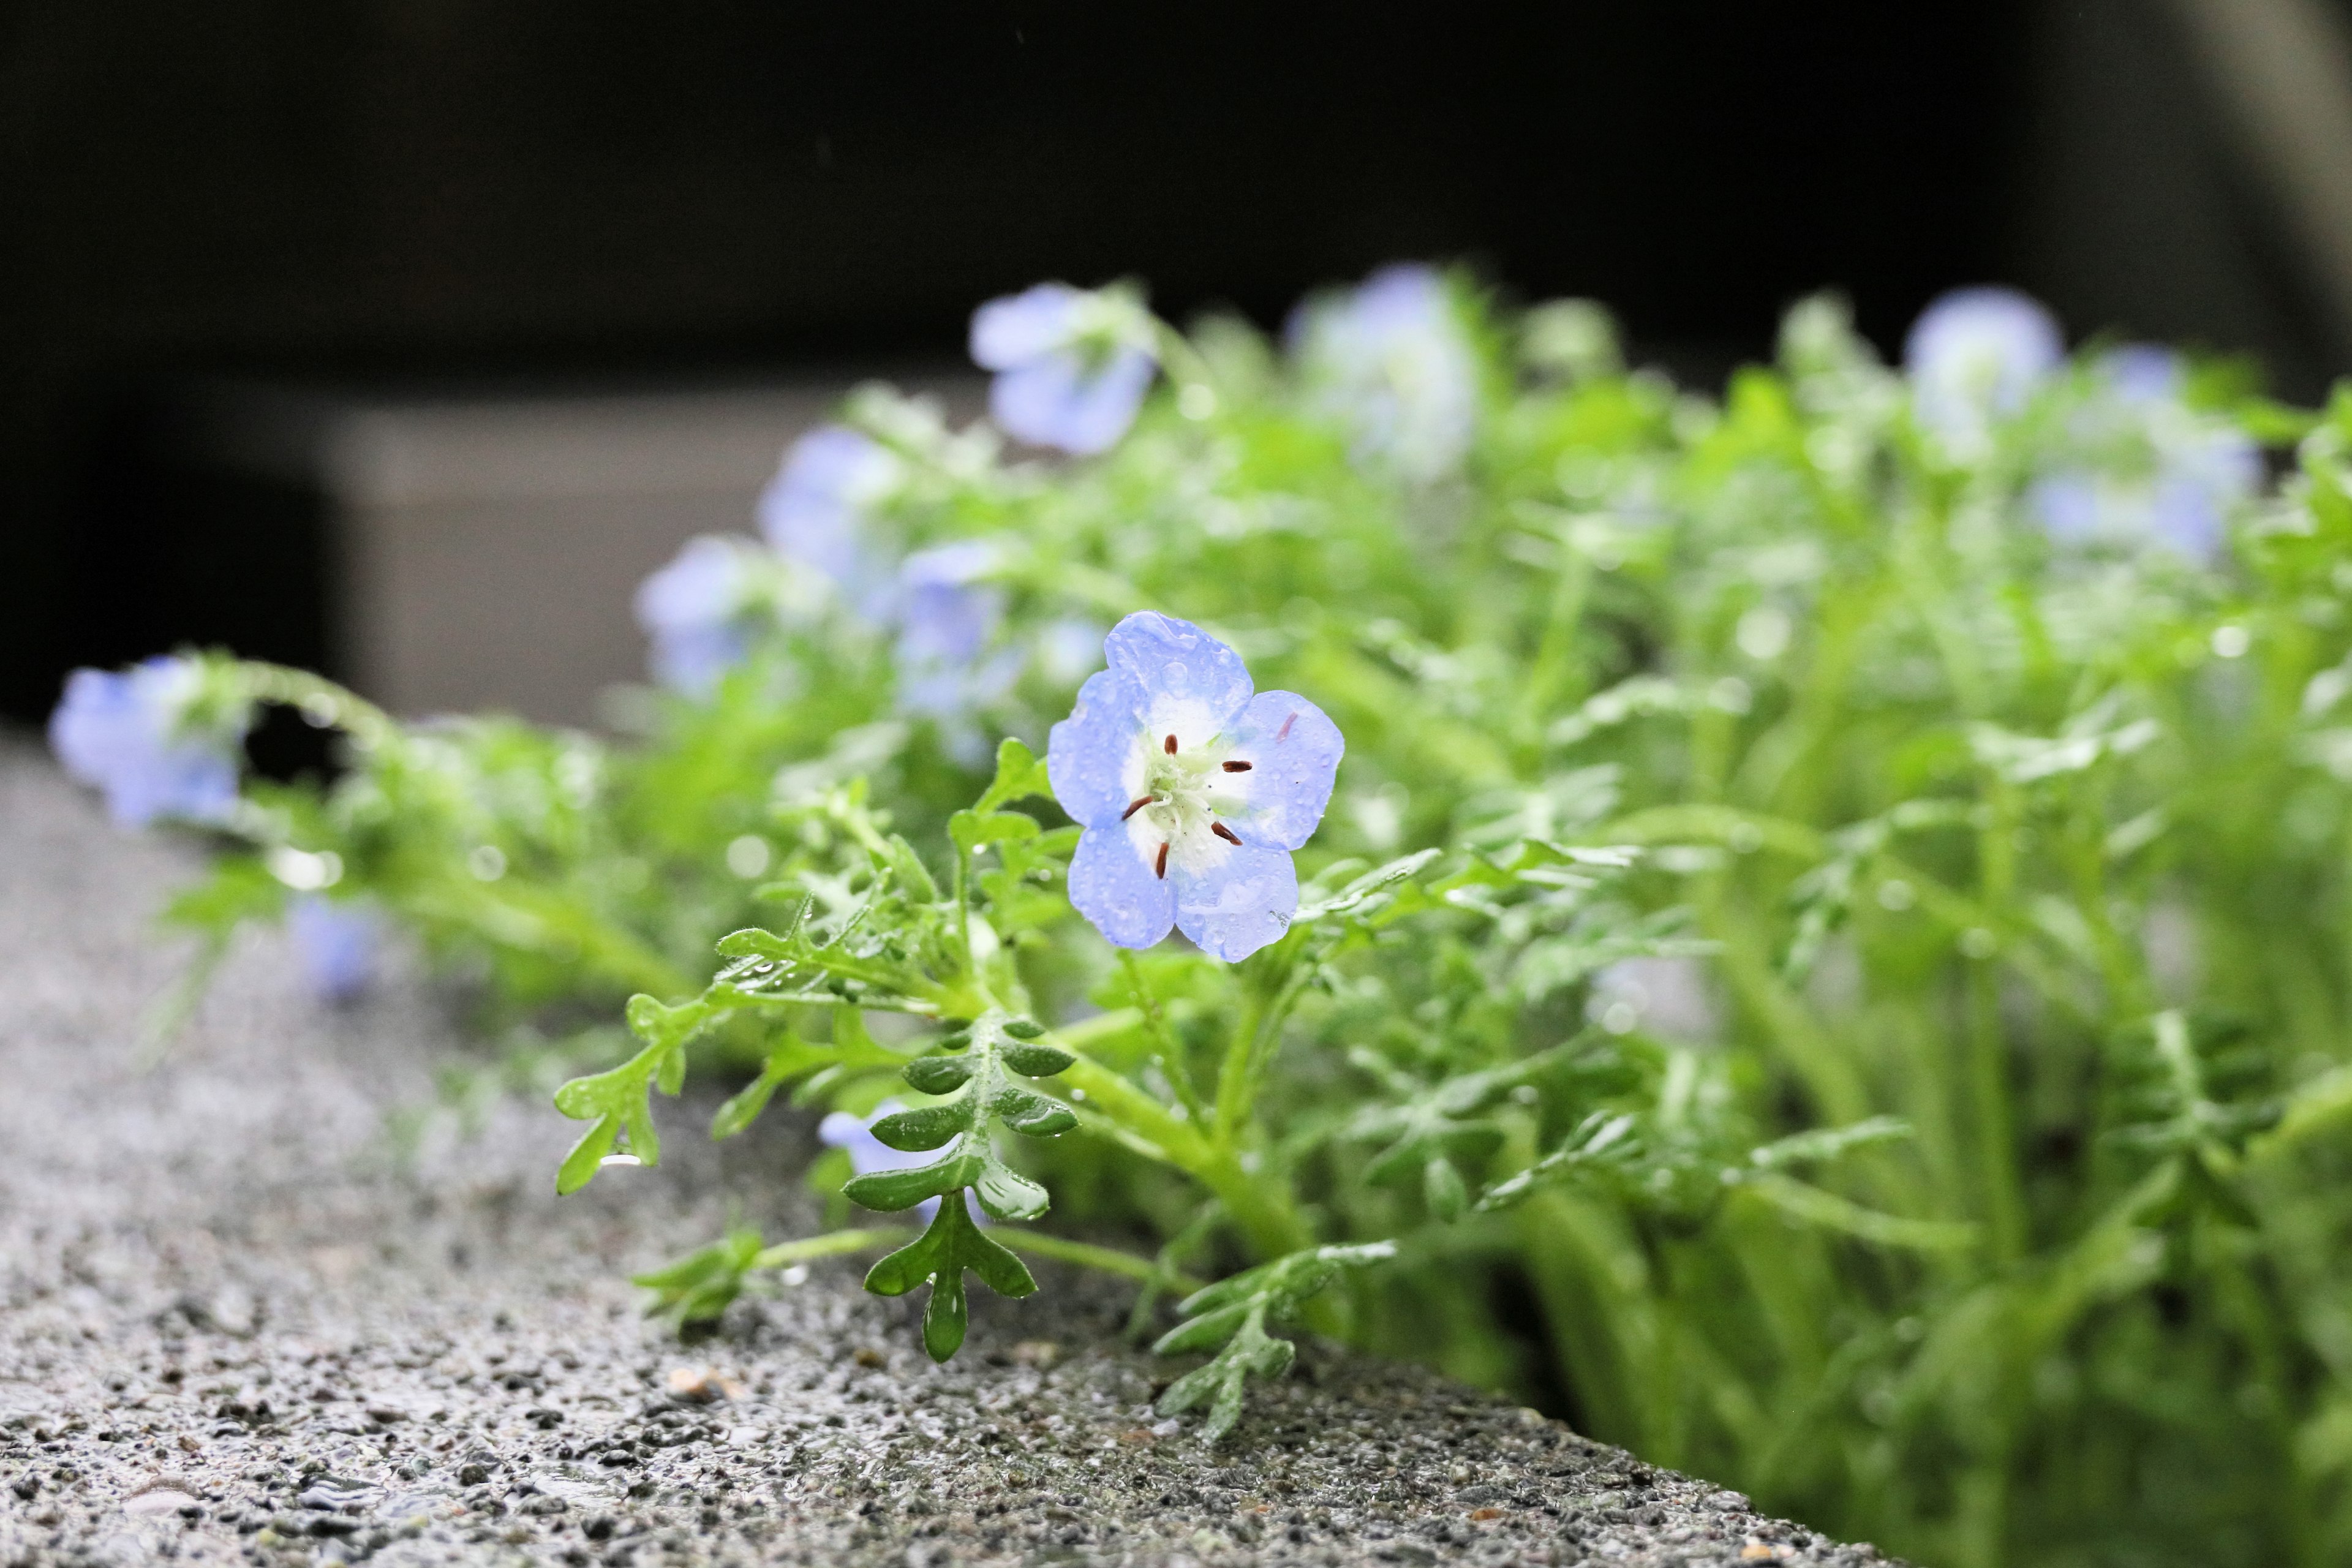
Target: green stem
[[1106, 1259], [831, 1244], [1170, 1050], [1549, 674]]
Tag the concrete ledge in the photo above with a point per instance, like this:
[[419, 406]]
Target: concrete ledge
[[262, 1304]]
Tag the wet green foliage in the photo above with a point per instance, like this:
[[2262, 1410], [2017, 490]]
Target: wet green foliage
[[1814, 976]]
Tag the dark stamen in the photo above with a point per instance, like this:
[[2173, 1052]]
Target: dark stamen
[[1237, 767], [1138, 803], [1160, 869], [1171, 745], [1227, 834], [1284, 734]]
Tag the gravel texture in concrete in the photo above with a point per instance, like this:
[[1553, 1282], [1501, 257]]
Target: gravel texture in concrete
[[241, 1323]]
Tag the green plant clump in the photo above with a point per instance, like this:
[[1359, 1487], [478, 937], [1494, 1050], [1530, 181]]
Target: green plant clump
[[1828, 962]]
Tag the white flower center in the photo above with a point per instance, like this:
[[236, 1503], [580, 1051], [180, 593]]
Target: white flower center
[[1184, 787]]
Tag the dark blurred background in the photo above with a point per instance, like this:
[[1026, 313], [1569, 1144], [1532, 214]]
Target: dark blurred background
[[473, 195]]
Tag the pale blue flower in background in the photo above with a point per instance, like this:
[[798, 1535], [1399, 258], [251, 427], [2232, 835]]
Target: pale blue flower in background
[[701, 610], [1390, 359], [135, 735], [337, 943], [1072, 364], [2191, 467], [1974, 357], [1192, 792], [818, 513], [948, 617], [1067, 648], [868, 1153]]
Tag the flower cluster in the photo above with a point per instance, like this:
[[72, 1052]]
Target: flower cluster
[[2156, 469], [825, 544]]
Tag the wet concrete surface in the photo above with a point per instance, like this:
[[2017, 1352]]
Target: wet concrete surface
[[242, 1321]]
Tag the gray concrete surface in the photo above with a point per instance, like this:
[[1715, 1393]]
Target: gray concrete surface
[[235, 1327]]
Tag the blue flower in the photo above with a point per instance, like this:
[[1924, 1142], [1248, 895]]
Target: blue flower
[[1072, 364], [817, 512], [1391, 362], [140, 736], [1975, 355], [868, 1153], [947, 618], [2162, 471], [701, 609], [1192, 792], [336, 942]]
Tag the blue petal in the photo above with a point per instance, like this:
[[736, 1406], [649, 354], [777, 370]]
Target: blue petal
[[337, 943], [1087, 753], [2067, 503], [1017, 328], [2143, 372], [1976, 352], [1060, 400], [1111, 885], [694, 660], [817, 511], [1294, 751], [121, 733], [1176, 659], [1231, 912]]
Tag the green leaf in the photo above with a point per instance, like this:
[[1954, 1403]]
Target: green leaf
[[1036, 1061], [616, 1101], [1367, 894], [939, 1257], [791, 1057], [700, 1287], [1231, 1316], [940, 1075], [973, 832], [1027, 1111], [926, 1127], [1019, 773], [578, 1167], [982, 1097], [891, 1192]]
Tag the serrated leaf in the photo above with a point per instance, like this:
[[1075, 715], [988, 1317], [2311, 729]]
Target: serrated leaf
[[948, 1247], [1234, 1313]]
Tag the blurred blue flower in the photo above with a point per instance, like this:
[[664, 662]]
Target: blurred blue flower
[[700, 611], [1192, 793], [1072, 364], [137, 736], [868, 1153], [1391, 361], [336, 941], [2170, 473], [817, 512], [949, 616], [1975, 355]]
